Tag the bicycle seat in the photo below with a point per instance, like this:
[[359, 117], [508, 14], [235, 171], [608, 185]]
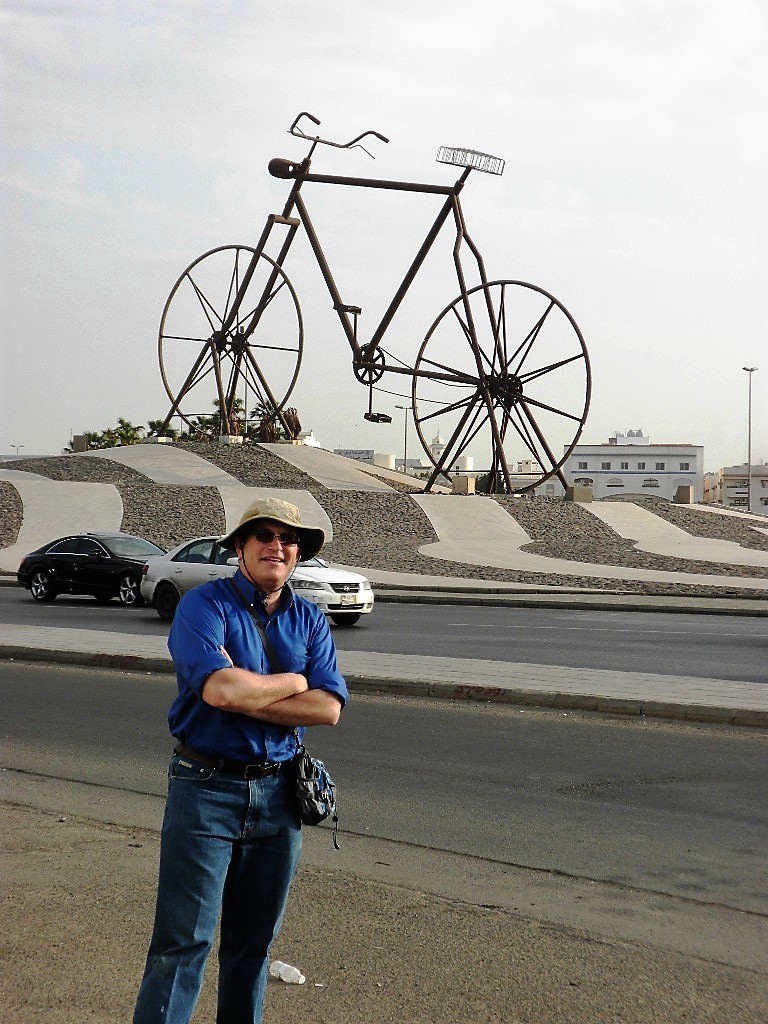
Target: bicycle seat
[[281, 168]]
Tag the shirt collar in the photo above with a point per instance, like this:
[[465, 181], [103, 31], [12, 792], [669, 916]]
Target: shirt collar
[[256, 597]]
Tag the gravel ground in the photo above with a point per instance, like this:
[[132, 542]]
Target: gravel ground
[[170, 513], [10, 514], [81, 468], [385, 530], [254, 466]]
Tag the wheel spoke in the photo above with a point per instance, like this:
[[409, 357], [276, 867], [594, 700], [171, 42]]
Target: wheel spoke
[[530, 339], [179, 337], [468, 335], [258, 310], [552, 408], [206, 306], [474, 428], [539, 434], [453, 374], [534, 374], [520, 424], [461, 404]]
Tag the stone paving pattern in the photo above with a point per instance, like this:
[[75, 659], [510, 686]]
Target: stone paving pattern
[[385, 530], [563, 529], [702, 524]]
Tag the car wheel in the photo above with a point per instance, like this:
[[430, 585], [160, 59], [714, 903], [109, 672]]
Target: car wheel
[[165, 602], [128, 591], [40, 586], [345, 620]]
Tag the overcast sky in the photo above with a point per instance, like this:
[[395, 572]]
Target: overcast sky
[[136, 136]]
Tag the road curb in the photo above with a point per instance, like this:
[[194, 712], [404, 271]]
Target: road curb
[[607, 601], [743, 717], [567, 598]]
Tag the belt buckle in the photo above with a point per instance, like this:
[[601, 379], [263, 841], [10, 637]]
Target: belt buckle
[[257, 771]]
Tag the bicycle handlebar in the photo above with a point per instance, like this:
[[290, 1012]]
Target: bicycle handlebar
[[315, 139]]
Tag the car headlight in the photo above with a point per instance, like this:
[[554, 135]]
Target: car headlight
[[311, 585], [365, 585]]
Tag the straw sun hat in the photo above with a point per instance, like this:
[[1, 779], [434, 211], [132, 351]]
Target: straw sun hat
[[311, 538]]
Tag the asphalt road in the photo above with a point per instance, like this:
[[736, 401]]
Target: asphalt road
[[497, 865], [654, 807], [707, 646]]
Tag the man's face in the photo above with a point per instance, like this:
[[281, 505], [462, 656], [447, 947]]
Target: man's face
[[267, 556]]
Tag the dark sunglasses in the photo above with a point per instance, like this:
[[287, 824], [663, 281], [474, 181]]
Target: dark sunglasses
[[288, 540]]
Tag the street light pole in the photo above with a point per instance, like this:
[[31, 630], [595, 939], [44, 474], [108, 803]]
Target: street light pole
[[750, 370], [406, 409], [17, 446]]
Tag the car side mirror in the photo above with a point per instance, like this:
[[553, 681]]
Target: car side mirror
[[233, 561]]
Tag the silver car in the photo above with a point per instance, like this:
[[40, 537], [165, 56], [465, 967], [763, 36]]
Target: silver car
[[343, 596]]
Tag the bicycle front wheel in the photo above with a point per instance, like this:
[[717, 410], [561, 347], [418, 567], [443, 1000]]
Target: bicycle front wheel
[[501, 387], [225, 332]]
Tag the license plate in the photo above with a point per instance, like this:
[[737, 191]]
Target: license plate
[[349, 598]]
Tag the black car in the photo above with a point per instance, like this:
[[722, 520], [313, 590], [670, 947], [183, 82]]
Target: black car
[[105, 565]]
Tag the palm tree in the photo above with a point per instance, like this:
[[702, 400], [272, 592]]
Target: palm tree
[[124, 433], [156, 429]]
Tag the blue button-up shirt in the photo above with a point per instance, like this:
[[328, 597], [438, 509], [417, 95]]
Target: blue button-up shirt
[[213, 616]]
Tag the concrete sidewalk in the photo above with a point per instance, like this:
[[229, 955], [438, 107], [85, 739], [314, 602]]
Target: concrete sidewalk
[[629, 693]]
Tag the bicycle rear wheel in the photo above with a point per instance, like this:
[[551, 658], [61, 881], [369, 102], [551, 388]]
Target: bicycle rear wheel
[[501, 387]]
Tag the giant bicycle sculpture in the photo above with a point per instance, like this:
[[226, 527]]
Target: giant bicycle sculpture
[[503, 369]]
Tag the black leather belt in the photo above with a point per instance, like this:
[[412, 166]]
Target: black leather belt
[[258, 770]]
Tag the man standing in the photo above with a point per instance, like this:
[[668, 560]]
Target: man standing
[[231, 833]]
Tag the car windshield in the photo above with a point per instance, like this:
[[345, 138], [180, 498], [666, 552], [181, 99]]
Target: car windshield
[[132, 547]]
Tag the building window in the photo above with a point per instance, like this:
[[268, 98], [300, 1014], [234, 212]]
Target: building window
[[659, 465], [606, 465], [650, 481], [625, 465], [583, 481], [614, 481], [641, 465], [582, 465], [685, 465]]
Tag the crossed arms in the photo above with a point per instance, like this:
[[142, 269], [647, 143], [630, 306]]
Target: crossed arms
[[282, 698]]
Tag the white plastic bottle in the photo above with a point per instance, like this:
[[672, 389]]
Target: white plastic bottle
[[286, 972]]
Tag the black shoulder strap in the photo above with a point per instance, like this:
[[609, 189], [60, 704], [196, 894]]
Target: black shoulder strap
[[272, 657]]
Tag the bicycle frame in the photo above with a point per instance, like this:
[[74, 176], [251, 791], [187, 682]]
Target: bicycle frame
[[368, 361]]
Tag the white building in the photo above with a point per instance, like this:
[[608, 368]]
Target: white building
[[728, 487], [630, 464]]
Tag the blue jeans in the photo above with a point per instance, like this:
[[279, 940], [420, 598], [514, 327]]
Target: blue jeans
[[227, 844]]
